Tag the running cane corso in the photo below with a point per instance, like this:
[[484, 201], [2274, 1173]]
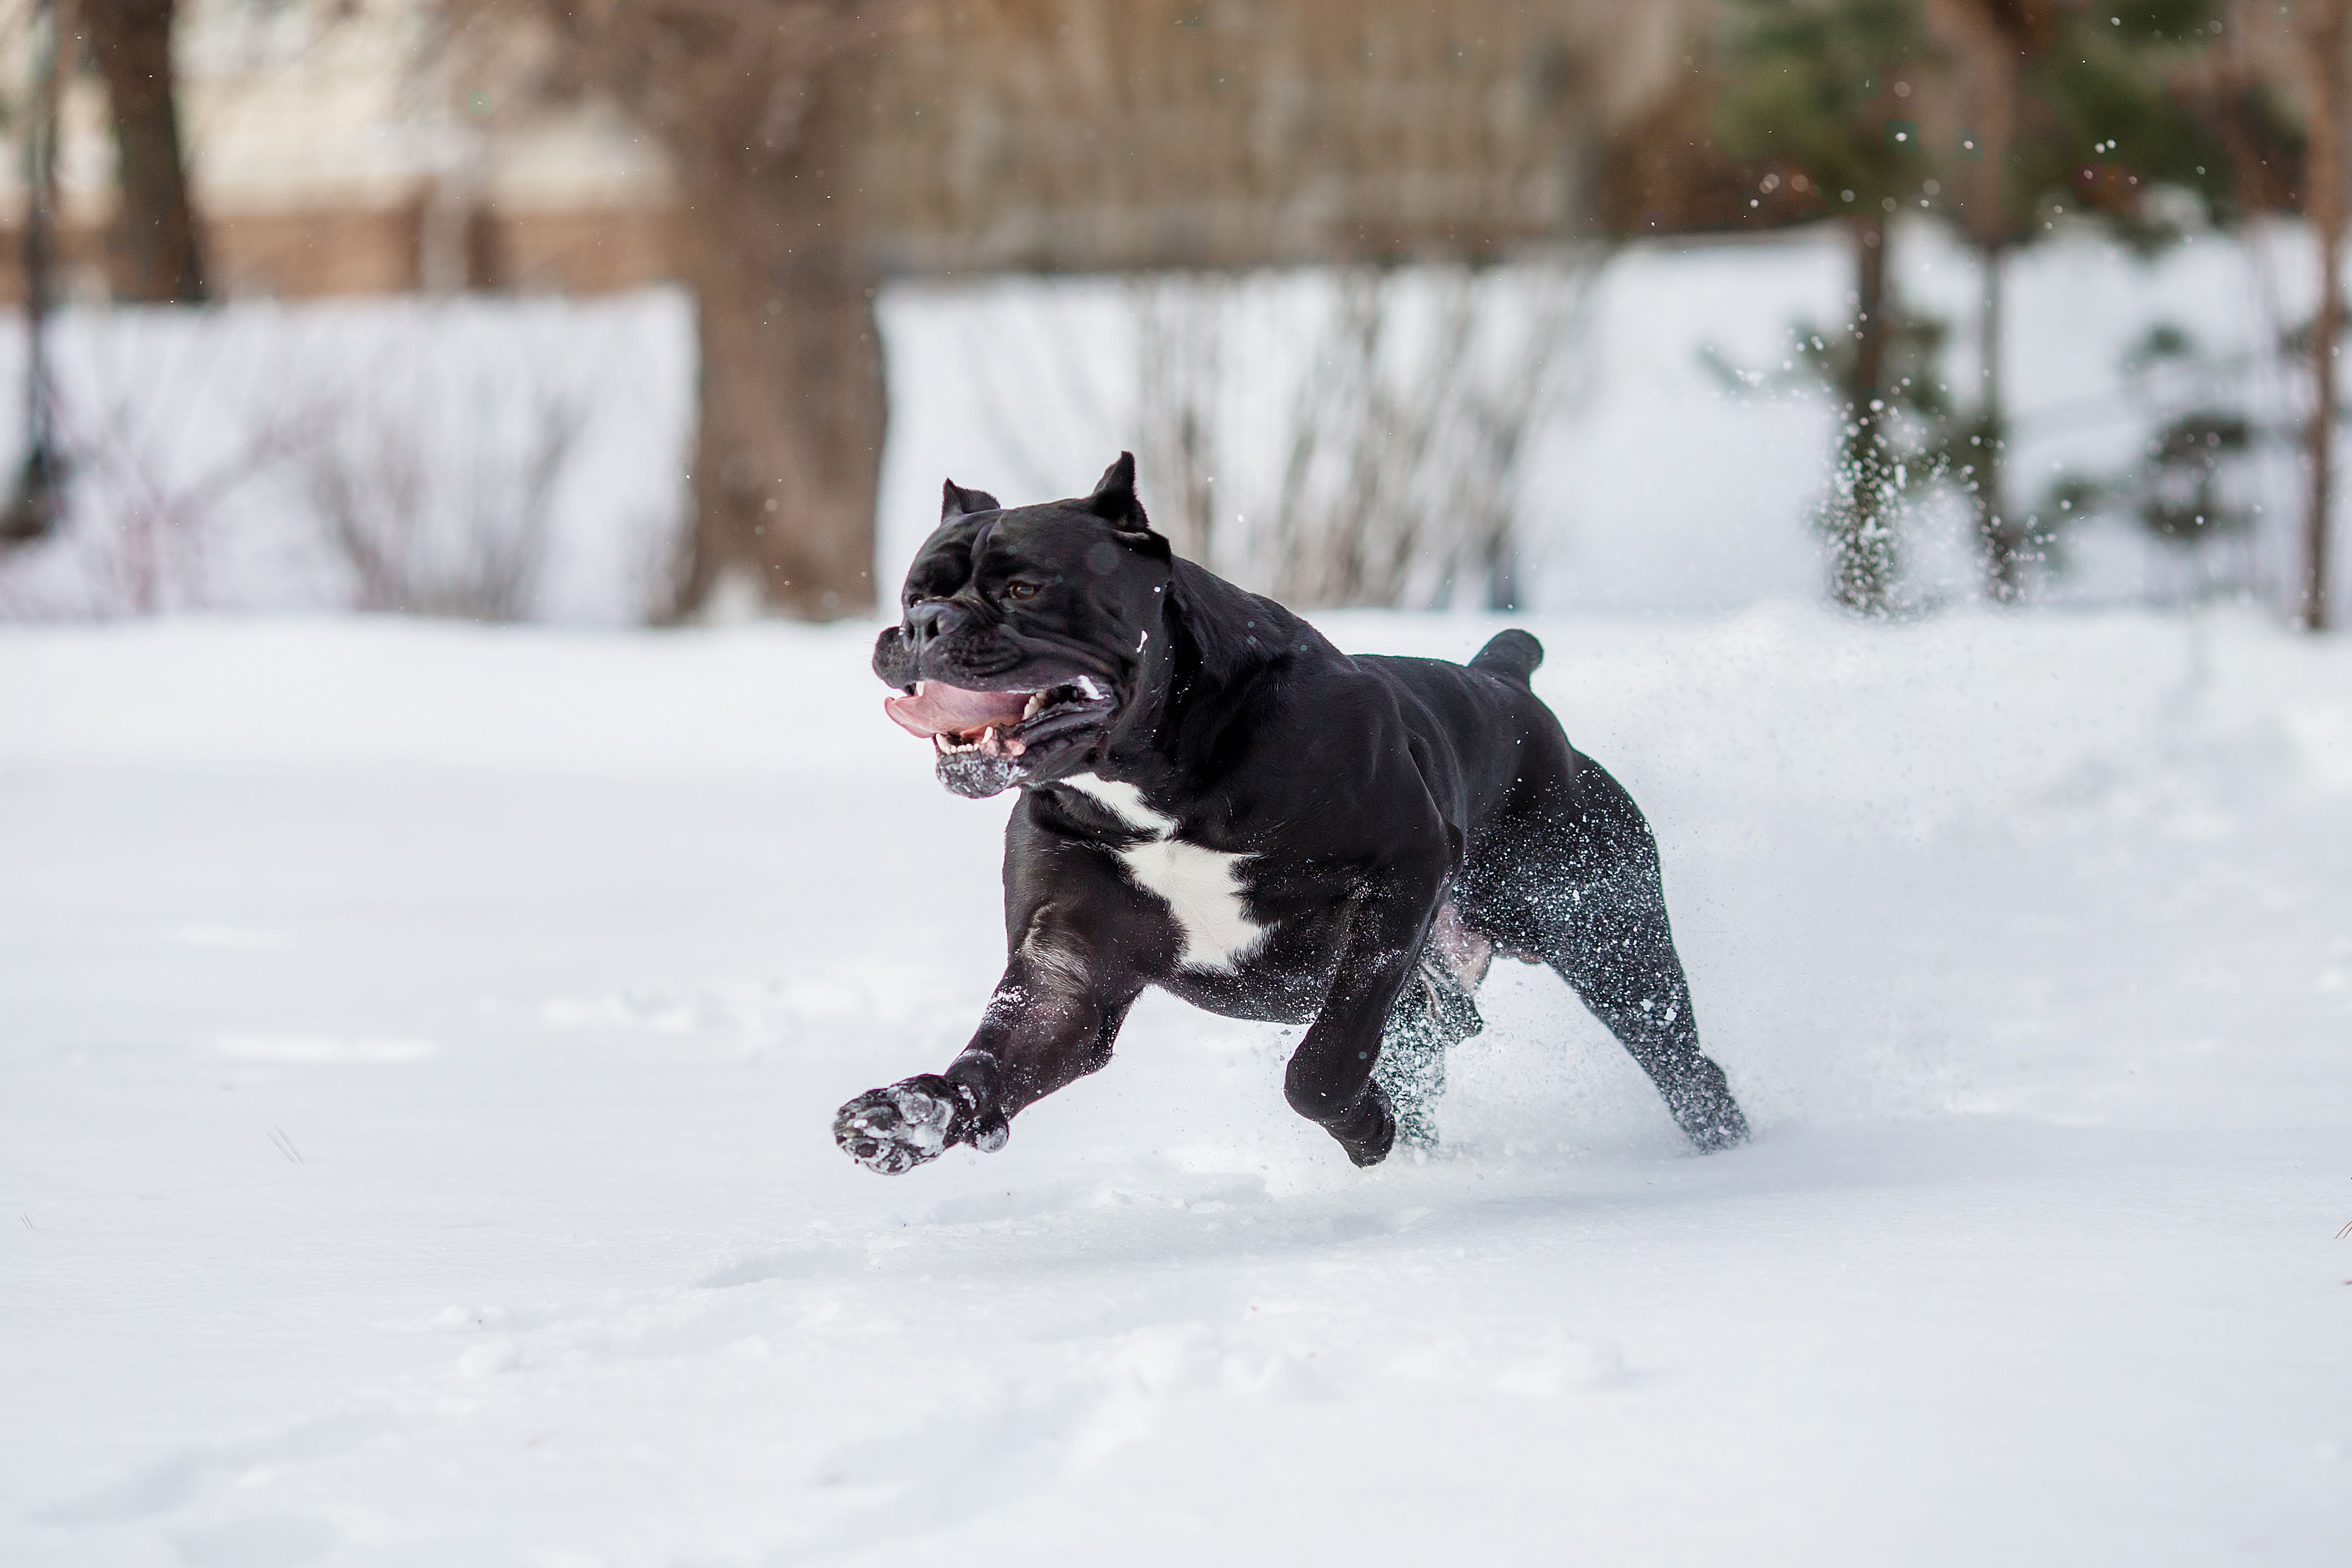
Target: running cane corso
[[1217, 801]]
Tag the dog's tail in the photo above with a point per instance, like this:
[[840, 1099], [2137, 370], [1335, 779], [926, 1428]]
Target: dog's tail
[[1512, 654]]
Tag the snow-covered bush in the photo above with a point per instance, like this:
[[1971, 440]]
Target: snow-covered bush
[[490, 457]]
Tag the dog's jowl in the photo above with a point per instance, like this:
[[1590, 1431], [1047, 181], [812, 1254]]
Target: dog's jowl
[[1216, 802]]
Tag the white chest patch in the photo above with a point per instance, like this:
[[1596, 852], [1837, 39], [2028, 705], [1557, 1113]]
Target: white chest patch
[[1201, 887]]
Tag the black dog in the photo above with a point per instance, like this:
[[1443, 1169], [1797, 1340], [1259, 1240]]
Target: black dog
[[1216, 802]]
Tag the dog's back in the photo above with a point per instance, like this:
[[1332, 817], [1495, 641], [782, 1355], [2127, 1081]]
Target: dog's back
[[1495, 745]]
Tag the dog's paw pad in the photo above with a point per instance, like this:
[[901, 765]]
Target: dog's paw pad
[[894, 1130]]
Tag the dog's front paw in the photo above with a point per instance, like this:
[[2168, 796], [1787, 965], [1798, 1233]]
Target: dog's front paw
[[913, 1122], [1371, 1133], [894, 1130]]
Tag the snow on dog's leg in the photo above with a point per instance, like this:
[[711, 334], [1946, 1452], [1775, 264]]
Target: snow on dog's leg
[[1604, 929], [893, 1130], [1436, 1012], [1411, 1068]]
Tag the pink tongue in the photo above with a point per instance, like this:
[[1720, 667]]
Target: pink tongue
[[941, 709]]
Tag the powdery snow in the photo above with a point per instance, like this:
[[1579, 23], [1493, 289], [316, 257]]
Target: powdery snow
[[421, 1042]]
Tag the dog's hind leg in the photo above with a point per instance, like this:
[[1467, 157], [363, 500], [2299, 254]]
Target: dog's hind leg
[[1596, 913], [1438, 1010]]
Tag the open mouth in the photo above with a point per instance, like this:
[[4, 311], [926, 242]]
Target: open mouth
[[1001, 725]]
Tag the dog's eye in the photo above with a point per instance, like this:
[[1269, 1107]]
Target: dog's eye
[[1020, 590]]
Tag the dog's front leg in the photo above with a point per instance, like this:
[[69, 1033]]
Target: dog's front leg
[[1330, 1081], [1052, 1019]]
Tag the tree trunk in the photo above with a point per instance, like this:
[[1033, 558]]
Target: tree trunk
[[2324, 69], [1992, 41], [154, 252], [1861, 524], [35, 499], [2314, 614], [787, 468], [2000, 543]]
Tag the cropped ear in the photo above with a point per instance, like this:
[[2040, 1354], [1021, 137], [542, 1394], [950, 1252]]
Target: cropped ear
[[1114, 497], [1114, 501], [955, 501]]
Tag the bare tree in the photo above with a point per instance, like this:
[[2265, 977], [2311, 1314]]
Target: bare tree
[[1990, 39], [156, 517], [1179, 351], [1407, 437], [2326, 29], [759, 105], [473, 550], [156, 251], [36, 499], [2293, 58]]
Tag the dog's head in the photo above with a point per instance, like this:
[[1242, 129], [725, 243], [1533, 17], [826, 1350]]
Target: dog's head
[[1024, 632]]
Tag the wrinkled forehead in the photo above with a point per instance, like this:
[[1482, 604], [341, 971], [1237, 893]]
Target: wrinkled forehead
[[1040, 538], [944, 563]]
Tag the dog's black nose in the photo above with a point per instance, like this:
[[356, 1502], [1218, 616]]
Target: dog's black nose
[[932, 618]]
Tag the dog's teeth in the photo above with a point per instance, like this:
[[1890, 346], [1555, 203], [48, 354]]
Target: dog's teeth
[[1036, 701], [1086, 684]]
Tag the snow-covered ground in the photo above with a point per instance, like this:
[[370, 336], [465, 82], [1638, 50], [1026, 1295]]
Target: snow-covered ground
[[421, 1044]]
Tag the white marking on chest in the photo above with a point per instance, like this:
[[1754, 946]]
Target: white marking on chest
[[1201, 887]]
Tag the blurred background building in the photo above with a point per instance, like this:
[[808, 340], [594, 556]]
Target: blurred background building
[[354, 147]]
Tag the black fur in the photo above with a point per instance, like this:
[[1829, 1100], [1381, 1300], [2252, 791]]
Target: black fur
[[1399, 820]]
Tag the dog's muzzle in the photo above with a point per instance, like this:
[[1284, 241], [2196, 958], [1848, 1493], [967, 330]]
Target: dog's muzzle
[[987, 741]]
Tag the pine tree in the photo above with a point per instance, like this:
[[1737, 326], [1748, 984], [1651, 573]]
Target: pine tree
[[1819, 86]]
